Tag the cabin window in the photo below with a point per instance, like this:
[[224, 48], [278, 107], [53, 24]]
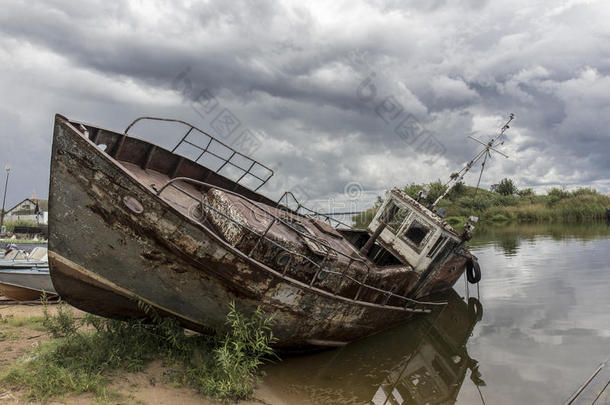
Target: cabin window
[[439, 242], [394, 216], [416, 233]]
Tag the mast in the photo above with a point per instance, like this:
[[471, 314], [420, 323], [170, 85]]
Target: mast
[[459, 176]]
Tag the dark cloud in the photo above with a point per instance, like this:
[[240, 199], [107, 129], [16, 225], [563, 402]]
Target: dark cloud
[[294, 74]]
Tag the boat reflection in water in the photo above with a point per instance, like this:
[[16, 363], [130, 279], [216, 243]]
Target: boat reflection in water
[[424, 361]]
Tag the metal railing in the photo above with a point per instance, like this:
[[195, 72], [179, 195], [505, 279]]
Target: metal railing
[[311, 213], [246, 167], [320, 267]]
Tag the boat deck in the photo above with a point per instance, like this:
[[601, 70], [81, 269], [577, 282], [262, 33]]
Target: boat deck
[[299, 247], [249, 215]]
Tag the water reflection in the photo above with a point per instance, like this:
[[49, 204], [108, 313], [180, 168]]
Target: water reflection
[[421, 362], [509, 237], [546, 324], [546, 327]]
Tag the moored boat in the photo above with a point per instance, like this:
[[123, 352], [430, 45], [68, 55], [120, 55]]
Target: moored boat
[[130, 221], [26, 284], [20, 259]]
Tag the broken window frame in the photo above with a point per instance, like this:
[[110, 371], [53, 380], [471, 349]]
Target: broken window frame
[[417, 246], [437, 246], [387, 218]]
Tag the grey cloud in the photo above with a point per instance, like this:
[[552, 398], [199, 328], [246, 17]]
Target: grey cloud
[[295, 77]]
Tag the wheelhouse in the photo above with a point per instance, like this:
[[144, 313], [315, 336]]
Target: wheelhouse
[[411, 231]]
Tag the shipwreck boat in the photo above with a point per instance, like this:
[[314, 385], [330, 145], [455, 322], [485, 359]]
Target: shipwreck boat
[[26, 284], [131, 221]]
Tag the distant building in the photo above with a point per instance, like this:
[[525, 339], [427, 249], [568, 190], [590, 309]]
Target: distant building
[[30, 209]]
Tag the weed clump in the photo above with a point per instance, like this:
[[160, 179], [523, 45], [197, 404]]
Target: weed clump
[[231, 371], [85, 354], [60, 325]]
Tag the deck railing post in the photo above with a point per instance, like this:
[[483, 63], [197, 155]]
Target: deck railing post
[[287, 265], [246, 171], [226, 161], [204, 150], [315, 276], [182, 140], [261, 237]]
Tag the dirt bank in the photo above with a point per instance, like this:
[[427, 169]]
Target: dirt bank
[[21, 331]]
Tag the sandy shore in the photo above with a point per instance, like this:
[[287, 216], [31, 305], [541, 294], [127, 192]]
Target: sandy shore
[[146, 387]]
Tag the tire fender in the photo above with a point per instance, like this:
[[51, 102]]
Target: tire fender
[[475, 309], [473, 271]]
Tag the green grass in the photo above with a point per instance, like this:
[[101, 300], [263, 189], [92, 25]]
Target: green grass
[[558, 205], [8, 335], [456, 222], [8, 240], [85, 354], [32, 322]]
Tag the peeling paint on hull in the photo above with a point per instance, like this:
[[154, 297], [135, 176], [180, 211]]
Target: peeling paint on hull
[[104, 256]]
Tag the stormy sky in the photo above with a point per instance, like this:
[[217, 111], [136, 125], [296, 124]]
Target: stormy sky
[[354, 96]]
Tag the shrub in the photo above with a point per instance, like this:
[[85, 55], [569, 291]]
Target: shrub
[[232, 373], [60, 325], [582, 191], [499, 218], [526, 192], [456, 222], [435, 189], [558, 193], [506, 187]]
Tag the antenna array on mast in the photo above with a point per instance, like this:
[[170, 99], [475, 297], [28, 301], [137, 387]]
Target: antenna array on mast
[[484, 153]]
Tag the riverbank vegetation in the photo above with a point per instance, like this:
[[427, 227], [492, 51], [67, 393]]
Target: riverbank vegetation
[[84, 354], [10, 225], [505, 203]]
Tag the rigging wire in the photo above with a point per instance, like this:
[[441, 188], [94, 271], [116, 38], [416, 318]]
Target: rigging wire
[[459, 176]]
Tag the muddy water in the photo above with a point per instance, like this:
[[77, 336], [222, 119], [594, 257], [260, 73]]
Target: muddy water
[[539, 329]]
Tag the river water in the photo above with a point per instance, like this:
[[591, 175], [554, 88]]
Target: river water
[[539, 328]]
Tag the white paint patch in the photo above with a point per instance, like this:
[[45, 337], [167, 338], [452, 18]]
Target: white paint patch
[[287, 295]]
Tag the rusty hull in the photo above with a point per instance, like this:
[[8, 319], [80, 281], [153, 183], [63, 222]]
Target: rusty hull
[[105, 256]]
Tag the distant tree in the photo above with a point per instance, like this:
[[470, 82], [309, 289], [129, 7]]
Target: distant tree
[[412, 190], [435, 189], [506, 187], [526, 192], [558, 193], [458, 190], [584, 191]]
